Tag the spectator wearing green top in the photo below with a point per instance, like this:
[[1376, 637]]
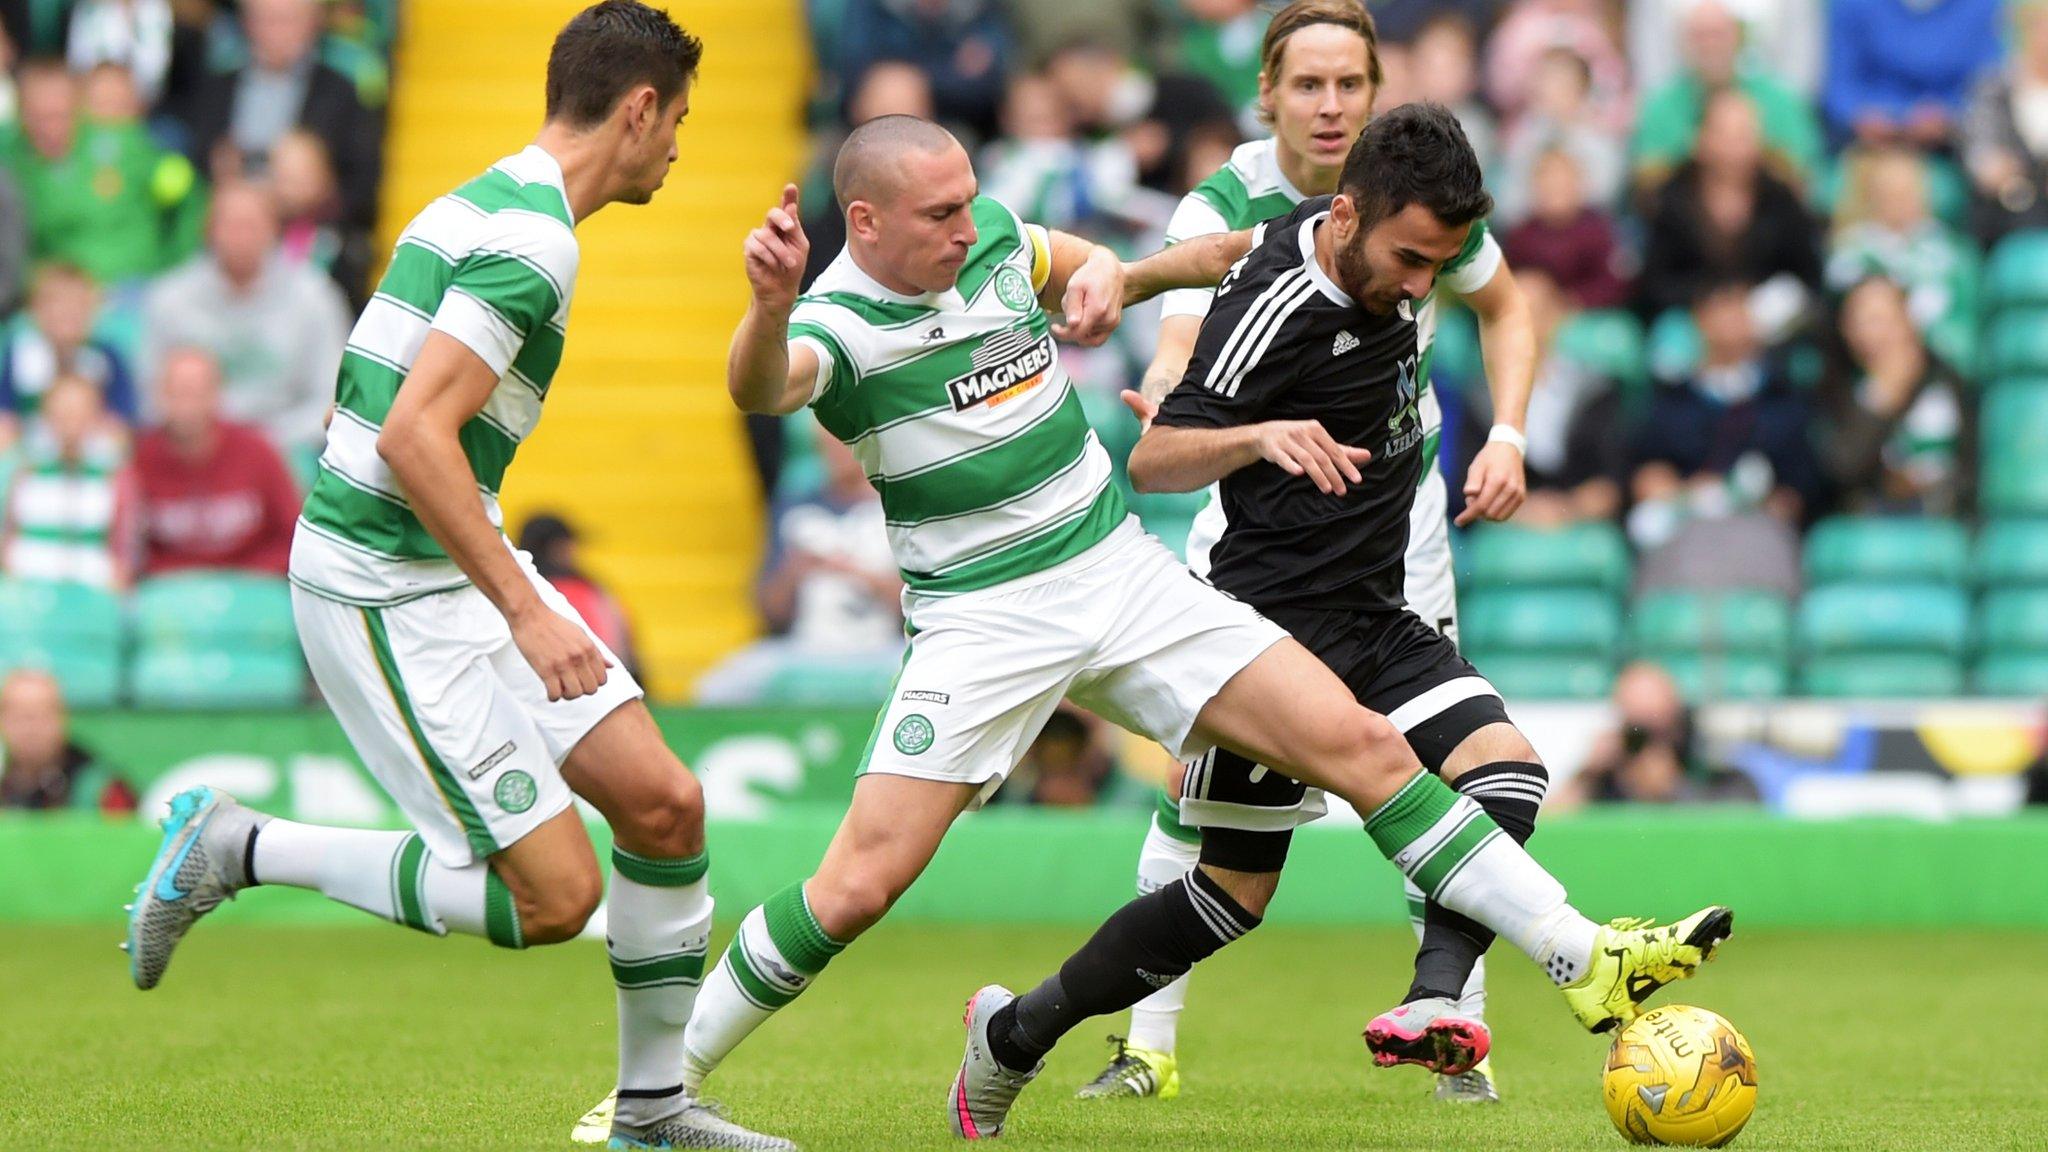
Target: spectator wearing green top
[[1884, 227], [41, 766], [99, 192], [1711, 43], [1221, 44]]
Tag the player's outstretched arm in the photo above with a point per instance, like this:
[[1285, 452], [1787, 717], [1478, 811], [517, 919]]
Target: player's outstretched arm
[[1182, 459], [763, 372], [447, 387], [1496, 484], [1085, 283], [1197, 262]]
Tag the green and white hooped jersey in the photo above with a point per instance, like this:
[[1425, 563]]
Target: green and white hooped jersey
[[956, 405], [1251, 189], [492, 264]]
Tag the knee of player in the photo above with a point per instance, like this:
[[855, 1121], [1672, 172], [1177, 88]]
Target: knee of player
[[1365, 737], [560, 912], [670, 824], [848, 905]]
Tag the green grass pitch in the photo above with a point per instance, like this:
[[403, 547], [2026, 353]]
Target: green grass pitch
[[374, 1038]]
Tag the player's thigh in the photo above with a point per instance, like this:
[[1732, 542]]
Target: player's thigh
[[888, 836], [413, 688], [1430, 587], [1432, 695], [627, 771], [1288, 711]]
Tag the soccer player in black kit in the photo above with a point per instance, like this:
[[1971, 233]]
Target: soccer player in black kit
[[1301, 398]]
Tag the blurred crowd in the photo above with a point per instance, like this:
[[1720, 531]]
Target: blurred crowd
[[187, 190]]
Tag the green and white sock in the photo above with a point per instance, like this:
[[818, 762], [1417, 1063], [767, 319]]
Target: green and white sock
[[1471, 1001], [775, 955], [658, 932], [388, 874], [1455, 855]]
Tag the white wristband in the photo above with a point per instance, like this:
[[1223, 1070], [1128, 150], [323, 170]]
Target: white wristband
[[1509, 434]]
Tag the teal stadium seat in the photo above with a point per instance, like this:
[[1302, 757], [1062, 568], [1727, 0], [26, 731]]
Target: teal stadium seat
[[90, 676], [1890, 675], [2019, 342], [1887, 619], [2017, 275], [72, 631], [1587, 555], [1664, 625], [822, 682], [1608, 342], [2012, 553], [198, 679], [803, 469], [227, 610], [1728, 675], [1169, 516], [2014, 437], [2011, 674], [1455, 355], [2013, 620], [1552, 677], [1556, 621], [1879, 549]]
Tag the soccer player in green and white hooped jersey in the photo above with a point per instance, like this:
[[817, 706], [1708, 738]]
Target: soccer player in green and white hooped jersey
[[1319, 73], [927, 348], [464, 680]]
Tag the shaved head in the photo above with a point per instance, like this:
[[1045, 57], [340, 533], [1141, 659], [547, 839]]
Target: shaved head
[[872, 155]]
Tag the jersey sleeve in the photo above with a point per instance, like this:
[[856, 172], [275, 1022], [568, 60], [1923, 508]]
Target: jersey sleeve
[[1234, 375], [807, 326], [1474, 266], [514, 282], [1195, 216]]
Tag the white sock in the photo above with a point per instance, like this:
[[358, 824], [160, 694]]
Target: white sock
[[657, 934], [1155, 1020], [1455, 854], [778, 951], [1503, 887], [388, 874], [1472, 1001]]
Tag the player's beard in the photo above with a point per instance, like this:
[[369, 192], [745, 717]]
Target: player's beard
[[1355, 276]]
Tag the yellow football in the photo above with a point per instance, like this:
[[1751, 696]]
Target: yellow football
[[1680, 1075]]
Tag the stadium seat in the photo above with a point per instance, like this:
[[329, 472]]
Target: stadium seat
[[2019, 342], [1455, 355], [1606, 341], [1587, 555], [2018, 272], [1665, 625], [1556, 621], [227, 610], [1892, 675], [803, 470], [2011, 674], [65, 613], [90, 675], [2013, 620], [1846, 550], [205, 679], [822, 681], [1727, 676], [2012, 553], [2014, 438], [1673, 348], [1888, 619], [1523, 677]]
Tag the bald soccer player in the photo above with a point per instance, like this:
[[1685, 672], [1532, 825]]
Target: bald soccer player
[[926, 347]]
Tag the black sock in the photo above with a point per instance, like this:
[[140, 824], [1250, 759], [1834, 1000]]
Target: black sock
[[1143, 947], [1510, 793]]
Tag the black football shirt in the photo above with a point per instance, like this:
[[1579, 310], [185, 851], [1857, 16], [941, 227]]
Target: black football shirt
[[1283, 342]]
